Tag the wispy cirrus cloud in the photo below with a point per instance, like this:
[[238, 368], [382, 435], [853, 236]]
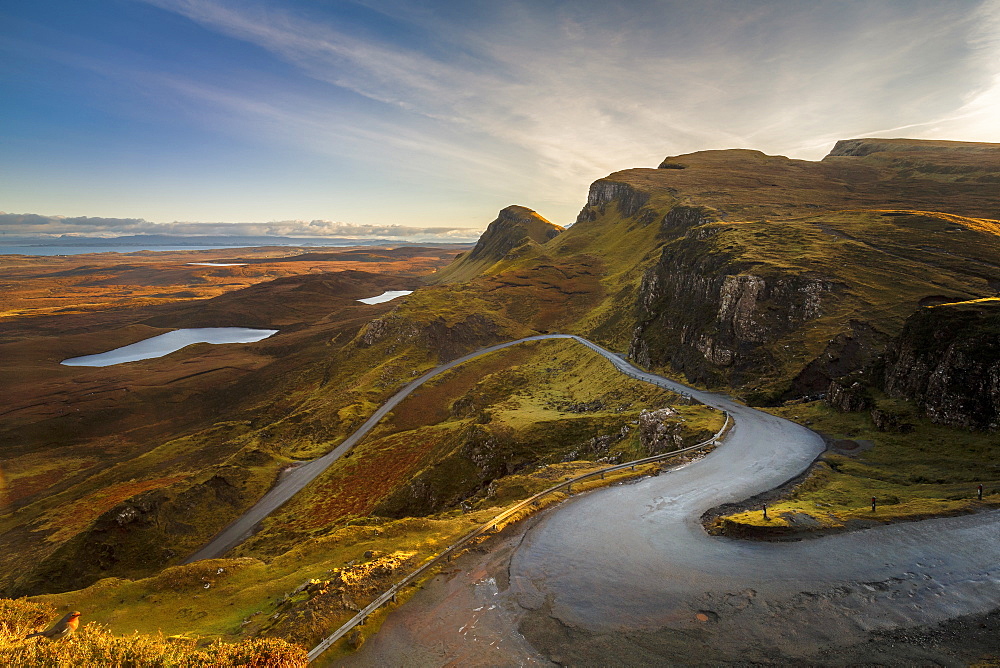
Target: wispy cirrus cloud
[[582, 89], [396, 110]]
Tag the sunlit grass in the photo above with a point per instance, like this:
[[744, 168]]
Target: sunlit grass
[[93, 646], [931, 471]]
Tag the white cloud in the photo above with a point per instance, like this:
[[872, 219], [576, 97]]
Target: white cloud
[[35, 225], [589, 91], [529, 102]]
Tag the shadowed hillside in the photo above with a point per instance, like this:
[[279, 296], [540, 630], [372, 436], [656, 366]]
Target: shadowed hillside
[[771, 278], [517, 231]]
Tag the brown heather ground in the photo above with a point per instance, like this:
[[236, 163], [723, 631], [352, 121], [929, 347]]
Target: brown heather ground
[[32, 285], [88, 438], [154, 428]]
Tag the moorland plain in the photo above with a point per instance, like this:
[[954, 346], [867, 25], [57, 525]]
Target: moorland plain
[[784, 282]]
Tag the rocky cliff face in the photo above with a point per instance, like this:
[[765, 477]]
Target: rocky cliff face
[[777, 276], [856, 348], [603, 192], [947, 360], [710, 315]]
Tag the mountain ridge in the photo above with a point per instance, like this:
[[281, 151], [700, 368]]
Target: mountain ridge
[[516, 230]]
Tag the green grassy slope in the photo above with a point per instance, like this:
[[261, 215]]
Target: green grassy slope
[[517, 230], [758, 274]]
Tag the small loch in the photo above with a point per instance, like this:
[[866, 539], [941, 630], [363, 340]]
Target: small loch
[[164, 344], [386, 296]]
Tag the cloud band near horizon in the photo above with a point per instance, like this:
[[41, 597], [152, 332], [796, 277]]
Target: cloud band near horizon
[[35, 225]]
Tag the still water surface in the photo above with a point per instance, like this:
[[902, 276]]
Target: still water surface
[[164, 344], [386, 296]]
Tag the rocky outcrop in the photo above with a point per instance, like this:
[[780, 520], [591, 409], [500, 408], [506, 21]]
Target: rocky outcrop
[[627, 198], [680, 219], [710, 315], [889, 421], [516, 231], [659, 431], [513, 227], [947, 360], [447, 340], [847, 352], [848, 396]]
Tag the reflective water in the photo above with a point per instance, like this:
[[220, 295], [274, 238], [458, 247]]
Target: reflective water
[[164, 344], [386, 296]]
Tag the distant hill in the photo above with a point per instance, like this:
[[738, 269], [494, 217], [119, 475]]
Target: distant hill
[[516, 231]]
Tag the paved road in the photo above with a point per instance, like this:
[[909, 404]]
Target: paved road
[[242, 527], [635, 559], [630, 576]]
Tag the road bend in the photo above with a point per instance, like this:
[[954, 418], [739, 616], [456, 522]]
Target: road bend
[[629, 574], [636, 557]]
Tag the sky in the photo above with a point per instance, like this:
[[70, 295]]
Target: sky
[[310, 117]]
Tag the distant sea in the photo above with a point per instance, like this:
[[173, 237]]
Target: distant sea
[[80, 250], [135, 244]]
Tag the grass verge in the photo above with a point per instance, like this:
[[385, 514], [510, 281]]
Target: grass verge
[[931, 471]]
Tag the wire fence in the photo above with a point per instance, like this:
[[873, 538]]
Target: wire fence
[[491, 526]]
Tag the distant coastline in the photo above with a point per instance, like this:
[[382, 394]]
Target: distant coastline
[[48, 246]]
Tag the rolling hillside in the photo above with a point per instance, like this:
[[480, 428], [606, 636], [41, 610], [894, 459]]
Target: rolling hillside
[[773, 279]]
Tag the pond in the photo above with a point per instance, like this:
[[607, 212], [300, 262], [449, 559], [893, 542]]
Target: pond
[[386, 296], [164, 344]]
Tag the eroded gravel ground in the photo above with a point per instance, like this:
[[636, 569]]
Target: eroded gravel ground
[[465, 616], [470, 616]]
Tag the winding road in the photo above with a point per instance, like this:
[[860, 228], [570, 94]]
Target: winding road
[[243, 527], [627, 574]]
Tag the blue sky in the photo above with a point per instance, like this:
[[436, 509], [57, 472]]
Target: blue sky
[[437, 114]]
